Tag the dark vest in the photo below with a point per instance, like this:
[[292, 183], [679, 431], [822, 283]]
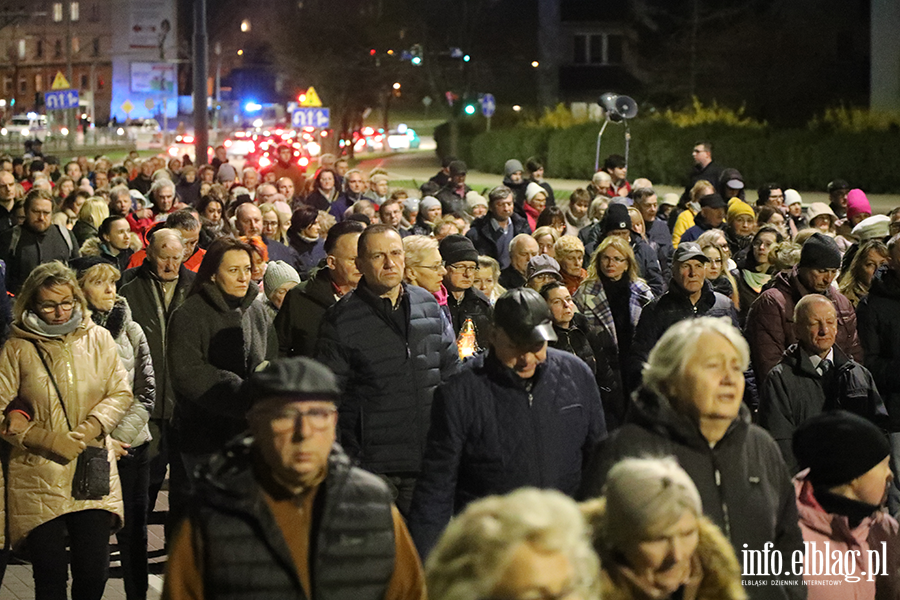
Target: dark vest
[[245, 557]]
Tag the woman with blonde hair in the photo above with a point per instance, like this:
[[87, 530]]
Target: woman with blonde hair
[[94, 210], [273, 226], [67, 372], [653, 539], [570, 256], [487, 278], [612, 298], [511, 546], [546, 237], [856, 281], [717, 268]]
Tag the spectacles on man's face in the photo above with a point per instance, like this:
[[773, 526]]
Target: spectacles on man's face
[[462, 269], [288, 418], [49, 308]]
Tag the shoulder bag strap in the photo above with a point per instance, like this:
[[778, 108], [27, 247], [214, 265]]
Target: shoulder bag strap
[[53, 381]]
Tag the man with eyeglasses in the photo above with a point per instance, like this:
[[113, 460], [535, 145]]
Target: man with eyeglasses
[[463, 299], [519, 415], [389, 348], [770, 194], [35, 242], [283, 513]]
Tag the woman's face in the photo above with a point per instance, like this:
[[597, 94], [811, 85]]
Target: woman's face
[[66, 188], [822, 223], [213, 212], [570, 262], [313, 231], [119, 234], [777, 221], [277, 298], [532, 569], [579, 209], [484, 280], [663, 562], [795, 209], [744, 225], [855, 219], [873, 261], [270, 227], [761, 246], [207, 175], [545, 245], [326, 181], [479, 210], [714, 266], [234, 273], [433, 214], [190, 176], [54, 304], [539, 202], [100, 293], [561, 306], [78, 203], [613, 263], [637, 222], [429, 273]]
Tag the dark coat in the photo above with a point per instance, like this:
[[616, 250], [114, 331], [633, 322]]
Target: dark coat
[[309, 254], [795, 391], [278, 251], [700, 226], [387, 376], [769, 328], [743, 482], [211, 351], [660, 239], [476, 306], [485, 238], [493, 432], [879, 331], [318, 201], [33, 249], [665, 311], [451, 201], [511, 279], [145, 297], [711, 173], [297, 323]]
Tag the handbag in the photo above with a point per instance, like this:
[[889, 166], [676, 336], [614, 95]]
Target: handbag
[[91, 480]]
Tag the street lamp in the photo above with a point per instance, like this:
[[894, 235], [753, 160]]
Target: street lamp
[[397, 85], [245, 25], [535, 64]]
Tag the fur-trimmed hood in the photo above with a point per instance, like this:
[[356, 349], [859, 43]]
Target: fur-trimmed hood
[[715, 574]]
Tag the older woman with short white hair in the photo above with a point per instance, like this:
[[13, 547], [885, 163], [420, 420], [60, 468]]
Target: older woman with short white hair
[[690, 406], [653, 539], [513, 546]]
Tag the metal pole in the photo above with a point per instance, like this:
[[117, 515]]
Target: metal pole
[[627, 142], [201, 62], [599, 135], [70, 112]]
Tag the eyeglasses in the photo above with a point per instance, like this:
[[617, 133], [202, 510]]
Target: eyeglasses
[[461, 269], [434, 268], [616, 260], [48, 308], [290, 418]]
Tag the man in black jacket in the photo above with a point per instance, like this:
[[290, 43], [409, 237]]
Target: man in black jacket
[[463, 300], [522, 249], [297, 322], [521, 414], [815, 376], [493, 232], [387, 345], [154, 290]]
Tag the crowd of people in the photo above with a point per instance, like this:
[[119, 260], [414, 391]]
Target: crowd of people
[[356, 390]]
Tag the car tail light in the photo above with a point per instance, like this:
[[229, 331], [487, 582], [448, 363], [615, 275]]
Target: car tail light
[[303, 162], [264, 161]]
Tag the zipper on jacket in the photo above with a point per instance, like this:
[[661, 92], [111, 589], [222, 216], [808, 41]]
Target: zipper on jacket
[[725, 517]]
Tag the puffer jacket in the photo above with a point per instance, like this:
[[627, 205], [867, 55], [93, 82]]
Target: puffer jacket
[[820, 527], [770, 322], [879, 331], [743, 482], [94, 247], [92, 381], [715, 572], [212, 350], [134, 352]]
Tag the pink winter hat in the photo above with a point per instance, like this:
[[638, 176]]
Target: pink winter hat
[[857, 203]]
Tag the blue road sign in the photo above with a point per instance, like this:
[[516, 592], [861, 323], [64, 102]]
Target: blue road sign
[[320, 118], [488, 105], [61, 99]]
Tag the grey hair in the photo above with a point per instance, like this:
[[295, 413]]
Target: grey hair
[[119, 190], [518, 239], [415, 246], [475, 549], [644, 497], [160, 184], [601, 177], [804, 304], [677, 345]]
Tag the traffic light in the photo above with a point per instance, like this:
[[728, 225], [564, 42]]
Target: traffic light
[[470, 108]]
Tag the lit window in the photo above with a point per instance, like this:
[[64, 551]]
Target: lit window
[[76, 45], [73, 11], [22, 48], [57, 12], [38, 83]]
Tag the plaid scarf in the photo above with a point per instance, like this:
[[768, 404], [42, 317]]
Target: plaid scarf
[[591, 300]]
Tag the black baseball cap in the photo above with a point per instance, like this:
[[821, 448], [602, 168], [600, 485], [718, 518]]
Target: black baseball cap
[[838, 184], [524, 317]]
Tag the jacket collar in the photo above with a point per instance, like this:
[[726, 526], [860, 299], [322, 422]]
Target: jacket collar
[[214, 296], [798, 359]]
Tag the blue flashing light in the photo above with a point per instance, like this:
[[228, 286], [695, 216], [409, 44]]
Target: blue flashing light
[[252, 106]]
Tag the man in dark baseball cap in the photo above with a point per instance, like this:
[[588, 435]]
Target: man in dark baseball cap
[[838, 190], [521, 414]]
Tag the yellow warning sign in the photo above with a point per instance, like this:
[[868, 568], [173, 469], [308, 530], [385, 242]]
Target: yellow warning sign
[[312, 98], [127, 106], [59, 82]]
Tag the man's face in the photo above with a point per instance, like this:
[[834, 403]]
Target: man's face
[[523, 251], [220, 154], [713, 216], [516, 177], [816, 280], [460, 276], [267, 193], [342, 261], [191, 237], [146, 169], [458, 180], [249, 220], [7, 186], [37, 217], [285, 154], [701, 155], [251, 179], [523, 359], [383, 262], [285, 186], [356, 183], [392, 215], [6, 165], [168, 260], [73, 170], [294, 438], [342, 166], [648, 207], [690, 275], [502, 209], [122, 204], [839, 197], [817, 329], [381, 187], [100, 179], [776, 198], [164, 198]]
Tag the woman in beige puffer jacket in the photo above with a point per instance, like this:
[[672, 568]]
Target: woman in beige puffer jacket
[[51, 317]]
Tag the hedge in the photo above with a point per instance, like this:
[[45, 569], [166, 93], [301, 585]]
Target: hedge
[[798, 158]]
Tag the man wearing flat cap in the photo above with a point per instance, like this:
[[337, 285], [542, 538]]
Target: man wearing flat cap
[[453, 194], [282, 513], [521, 414], [769, 329]]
